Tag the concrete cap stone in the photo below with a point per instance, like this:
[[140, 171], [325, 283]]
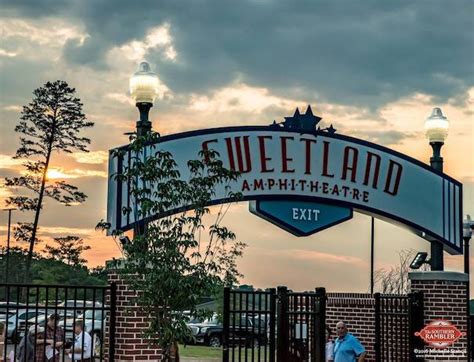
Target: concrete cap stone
[[438, 275]]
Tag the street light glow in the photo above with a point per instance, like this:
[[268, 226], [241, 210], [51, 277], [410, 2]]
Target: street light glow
[[144, 84], [436, 126]]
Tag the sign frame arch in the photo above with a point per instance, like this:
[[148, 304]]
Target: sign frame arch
[[451, 189]]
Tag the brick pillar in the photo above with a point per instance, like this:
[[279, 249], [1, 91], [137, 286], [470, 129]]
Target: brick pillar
[[130, 323], [445, 298]]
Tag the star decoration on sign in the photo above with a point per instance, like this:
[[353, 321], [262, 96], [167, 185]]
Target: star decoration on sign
[[303, 122]]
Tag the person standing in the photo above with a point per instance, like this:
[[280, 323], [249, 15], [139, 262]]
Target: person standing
[[36, 343], [347, 347], [54, 338], [26, 348], [82, 347]]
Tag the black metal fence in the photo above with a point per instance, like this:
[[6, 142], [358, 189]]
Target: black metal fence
[[249, 325], [301, 325], [42, 322], [397, 318], [274, 326]]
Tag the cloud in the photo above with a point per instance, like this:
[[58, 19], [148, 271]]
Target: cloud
[[93, 157], [317, 47], [120, 98], [384, 137], [6, 53], [158, 37], [55, 231], [326, 257], [9, 162], [49, 33], [239, 97], [59, 173], [13, 108], [5, 193]]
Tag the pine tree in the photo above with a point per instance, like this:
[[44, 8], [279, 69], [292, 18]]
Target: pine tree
[[51, 123]]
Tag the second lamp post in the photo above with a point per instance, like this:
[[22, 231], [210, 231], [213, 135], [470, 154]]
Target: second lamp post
[[144, 89], [436, 127]]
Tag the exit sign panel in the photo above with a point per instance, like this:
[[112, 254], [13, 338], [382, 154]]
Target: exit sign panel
[[301, 218]]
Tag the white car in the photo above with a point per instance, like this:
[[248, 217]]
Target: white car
[[17, 322]]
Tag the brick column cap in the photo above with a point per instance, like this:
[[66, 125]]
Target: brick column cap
[[439, 275]]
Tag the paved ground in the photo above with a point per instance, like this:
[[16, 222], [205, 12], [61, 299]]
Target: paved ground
[[11, 348]]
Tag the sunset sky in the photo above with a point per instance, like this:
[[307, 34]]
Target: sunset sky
[[373, 69]]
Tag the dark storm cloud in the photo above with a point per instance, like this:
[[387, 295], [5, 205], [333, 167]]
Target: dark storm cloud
[[34, 9], [349, 52]]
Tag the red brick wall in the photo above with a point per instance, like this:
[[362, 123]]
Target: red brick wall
[[445, 300], [130, 323], [358, 311]]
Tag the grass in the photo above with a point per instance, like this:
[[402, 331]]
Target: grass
[[200, 352], [210, 353]]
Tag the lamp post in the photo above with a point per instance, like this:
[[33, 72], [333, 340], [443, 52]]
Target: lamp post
[[144, 89], [436, 127], [468, 226], [7, 262]]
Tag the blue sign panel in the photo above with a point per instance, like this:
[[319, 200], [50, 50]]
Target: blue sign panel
[[301, 218]]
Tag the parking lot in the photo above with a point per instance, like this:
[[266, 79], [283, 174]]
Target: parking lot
[[39, 318]]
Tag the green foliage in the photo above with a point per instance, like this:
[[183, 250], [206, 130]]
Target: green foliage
[[45, 270], [50, 123], [68, 250], [177, 260]]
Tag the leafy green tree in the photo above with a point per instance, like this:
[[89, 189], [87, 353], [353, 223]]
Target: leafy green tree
[[47, 270], [50, 124], [16, 265], [177, 260], [68, 250]]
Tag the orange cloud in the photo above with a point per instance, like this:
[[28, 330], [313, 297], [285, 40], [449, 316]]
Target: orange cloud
[[59, 173], [7, 161], [94, 157], [326, 257]]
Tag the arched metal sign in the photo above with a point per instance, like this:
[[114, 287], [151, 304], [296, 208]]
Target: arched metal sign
[[285, 164]]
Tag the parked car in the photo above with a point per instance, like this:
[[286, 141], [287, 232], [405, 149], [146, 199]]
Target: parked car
[[11, 311], [248, 331], [3, 314], [208, 331], [77, 305], [17, 322]]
